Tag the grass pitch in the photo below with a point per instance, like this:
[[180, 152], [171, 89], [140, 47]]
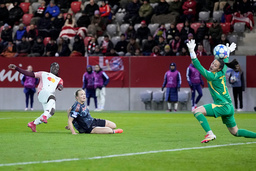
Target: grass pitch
[[152, 140]]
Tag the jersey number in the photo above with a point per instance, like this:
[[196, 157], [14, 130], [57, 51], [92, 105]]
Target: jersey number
[[223, 83]]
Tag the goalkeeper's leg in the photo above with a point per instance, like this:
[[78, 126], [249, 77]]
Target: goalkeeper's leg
[[241, 132]]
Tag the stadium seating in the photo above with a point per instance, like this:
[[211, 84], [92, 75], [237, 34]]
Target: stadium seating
[[14, 30], [112, 29], [119, 17], [217, 15], [183, 98], [46, 40], [233, 38], [35, 6], [153, 28], [100, 39], [225, 28], [146, 98], [167, 26], [123, 28], [76, 6], [136, 26], [26, 18], [179, 26], [78, 15], [239, 27], [204, 16], [158, 99], [25, 7], [195, 26], [115, 39]]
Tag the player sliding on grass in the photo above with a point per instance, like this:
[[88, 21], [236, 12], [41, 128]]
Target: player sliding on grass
[[49, 82], [79, 116], [222, 104]]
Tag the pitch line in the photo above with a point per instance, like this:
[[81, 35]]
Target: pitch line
[[122, 155]]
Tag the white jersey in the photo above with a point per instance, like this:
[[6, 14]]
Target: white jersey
[[48, 81]]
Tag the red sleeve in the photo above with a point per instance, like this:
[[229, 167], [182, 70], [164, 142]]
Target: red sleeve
[[61, 82]]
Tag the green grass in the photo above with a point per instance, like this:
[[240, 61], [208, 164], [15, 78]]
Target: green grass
[[143, 132]]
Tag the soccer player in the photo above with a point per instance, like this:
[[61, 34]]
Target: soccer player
[[172, 80], [79, 116], [88, 84], [196, 83], [222, 105], [49, 82], [101, 80]]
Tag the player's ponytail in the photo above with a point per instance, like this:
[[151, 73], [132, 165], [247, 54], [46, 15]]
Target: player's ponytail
[[222, 63]]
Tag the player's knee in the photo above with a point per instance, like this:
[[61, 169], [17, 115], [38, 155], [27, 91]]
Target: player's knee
[[52, 111], [51, 97]]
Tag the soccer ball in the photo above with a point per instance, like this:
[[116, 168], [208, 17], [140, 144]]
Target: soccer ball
[[220, 51], [233, 79]]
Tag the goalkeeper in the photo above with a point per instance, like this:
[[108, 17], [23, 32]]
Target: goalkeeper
[[222, 104]]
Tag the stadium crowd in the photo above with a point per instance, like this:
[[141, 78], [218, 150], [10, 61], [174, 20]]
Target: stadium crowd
[[67, 28]]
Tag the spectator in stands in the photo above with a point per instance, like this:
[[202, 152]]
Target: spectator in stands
[[228, 13], [146, 11], [243, 12], [215, 32], [161, 44], [23, 48], [92, 45], [186, 30], [63, 5], [207, 45], [175, 10], [219, 5], [130, 32], [189, 10], [156, 51], [84, 20], [190, 37], [69, 21], [6, 37], [132, 12], [184, 52], [9, 51], [121, 46], [142, 32], [51, 48], [105, 12], [160, 11], [176, 45], [172, 32], [97, 51], [138, 52], [44, 25], [223, 40], [37, 48], [52, 9], [19, 34], [32, 34], [148, 46], [112, 52], [56, 26], [132, 46], [63, 49], [40, 10], [201, 32], [78, 47], [200, 50], [4, 13], [15, 14], [106, 45], [114, 5], [167, 51], [160, 32], [97, 26], [91, 8]]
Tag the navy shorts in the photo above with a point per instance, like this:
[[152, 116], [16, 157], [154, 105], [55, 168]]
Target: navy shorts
[[95, 123]]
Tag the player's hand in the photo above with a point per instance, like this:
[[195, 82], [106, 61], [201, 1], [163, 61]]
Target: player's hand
[[191, 45], [74, 133], [60, 87], [232, 47], [67, 128], [12, 66]]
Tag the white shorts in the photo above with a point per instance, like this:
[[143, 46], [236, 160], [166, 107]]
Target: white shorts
[[43, 96]]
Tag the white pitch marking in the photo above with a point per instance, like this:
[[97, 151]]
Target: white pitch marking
[[123, 155]]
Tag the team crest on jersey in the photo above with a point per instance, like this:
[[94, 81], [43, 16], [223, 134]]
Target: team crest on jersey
[[51, 79], [77, 108]]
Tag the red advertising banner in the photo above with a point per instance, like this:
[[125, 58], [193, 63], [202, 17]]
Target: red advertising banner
[[123, 71]]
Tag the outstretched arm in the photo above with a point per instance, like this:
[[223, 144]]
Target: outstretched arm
[[27, 73], [70, 125]]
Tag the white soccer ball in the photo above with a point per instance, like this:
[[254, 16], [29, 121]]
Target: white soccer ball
[[220, 51], [233, 79]]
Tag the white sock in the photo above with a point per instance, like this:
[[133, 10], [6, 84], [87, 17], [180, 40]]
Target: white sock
[[210, 132], [169, 105], [175, 106]]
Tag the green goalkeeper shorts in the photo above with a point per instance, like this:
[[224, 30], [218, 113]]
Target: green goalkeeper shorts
[[225, 111]]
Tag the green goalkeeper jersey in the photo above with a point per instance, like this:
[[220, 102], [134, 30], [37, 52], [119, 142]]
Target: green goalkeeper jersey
[[216, 82]]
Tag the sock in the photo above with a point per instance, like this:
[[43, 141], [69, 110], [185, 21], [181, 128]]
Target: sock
[[37, 121], [49, 106], [203, 121], [245, 133], [209, 132], [175, 106], [169, 105]]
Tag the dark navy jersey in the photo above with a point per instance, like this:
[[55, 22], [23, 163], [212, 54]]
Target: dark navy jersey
[[81, 115]]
